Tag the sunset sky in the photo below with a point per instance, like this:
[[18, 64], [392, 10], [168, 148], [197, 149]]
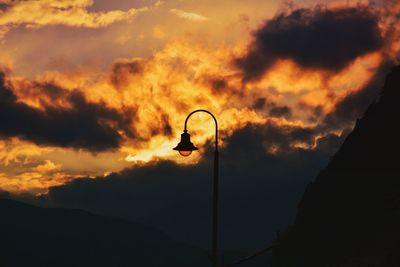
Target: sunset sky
[[94, 87]]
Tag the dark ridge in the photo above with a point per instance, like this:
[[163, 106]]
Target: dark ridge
[[350, 215], [33, 236]]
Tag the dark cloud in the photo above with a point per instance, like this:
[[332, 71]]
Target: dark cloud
[[281, 111], [275, 110], [353, 105], [6, 4], [164, 126], [51, 90], [314, 38], [84, 125], [218, 84], [259, 103], [3, 6], [259, 190], [121, 71]]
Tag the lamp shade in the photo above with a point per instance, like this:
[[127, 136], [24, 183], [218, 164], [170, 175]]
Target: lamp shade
[[185, 147]]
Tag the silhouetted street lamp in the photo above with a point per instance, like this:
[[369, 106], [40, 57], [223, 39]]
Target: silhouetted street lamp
[[185, 148]]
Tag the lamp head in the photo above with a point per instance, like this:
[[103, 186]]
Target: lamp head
[[185, 147]]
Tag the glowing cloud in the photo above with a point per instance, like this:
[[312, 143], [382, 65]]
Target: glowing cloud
[[73, 13], [188, 15]]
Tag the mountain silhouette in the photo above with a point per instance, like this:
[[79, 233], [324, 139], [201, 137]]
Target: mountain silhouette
[[33, 236], [350, 215]]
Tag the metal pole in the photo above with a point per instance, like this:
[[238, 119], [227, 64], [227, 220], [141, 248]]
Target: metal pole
[[215, 211]]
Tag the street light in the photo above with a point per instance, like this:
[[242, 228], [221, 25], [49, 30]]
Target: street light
[[185, 148]]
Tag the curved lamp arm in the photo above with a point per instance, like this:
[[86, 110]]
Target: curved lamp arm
[[215, 120]]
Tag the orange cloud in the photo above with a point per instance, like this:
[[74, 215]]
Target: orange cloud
[[48, 166], [188, 15], [73, 13]]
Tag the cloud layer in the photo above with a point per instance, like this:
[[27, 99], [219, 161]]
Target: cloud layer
[[82, 125], [319, 38]]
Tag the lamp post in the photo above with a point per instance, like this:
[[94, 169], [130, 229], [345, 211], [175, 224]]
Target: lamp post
[[185, 148]]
